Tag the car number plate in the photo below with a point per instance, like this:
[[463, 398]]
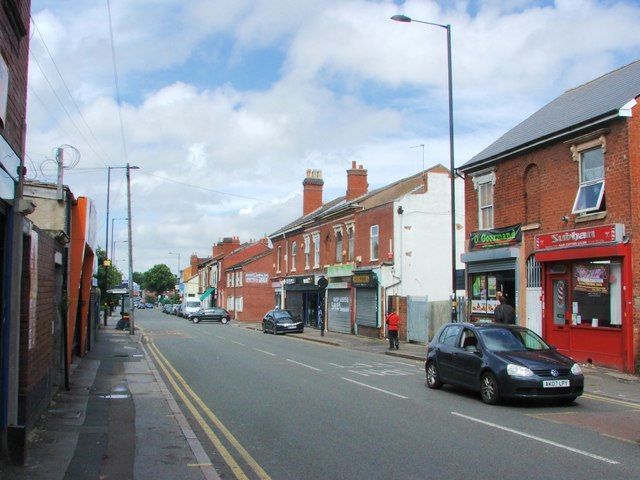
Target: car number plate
[[291, 327], [555, 383]]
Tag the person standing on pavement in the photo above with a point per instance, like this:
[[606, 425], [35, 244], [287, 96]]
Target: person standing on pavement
[[504, 313], [392, 326]]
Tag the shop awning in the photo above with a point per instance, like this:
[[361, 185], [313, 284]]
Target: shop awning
[[207, 293]]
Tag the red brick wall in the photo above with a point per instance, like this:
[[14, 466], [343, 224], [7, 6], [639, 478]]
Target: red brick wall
[[257, 298], [383, 217], [14, 48], [633, 152], [36, 377], [558, 175]]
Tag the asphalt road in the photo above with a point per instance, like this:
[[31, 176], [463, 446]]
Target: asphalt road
[[267, 406]]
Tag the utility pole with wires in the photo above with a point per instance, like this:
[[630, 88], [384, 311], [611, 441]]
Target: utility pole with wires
[[61, 166]]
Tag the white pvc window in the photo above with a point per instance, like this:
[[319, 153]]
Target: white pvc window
[[374, 242], [591, 190], [485, 205], [316, 250], [294, 253], [307, 251]]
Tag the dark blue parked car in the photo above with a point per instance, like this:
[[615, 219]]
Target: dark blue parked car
[[501, 361]]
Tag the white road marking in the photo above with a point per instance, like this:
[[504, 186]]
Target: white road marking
[[538, 439], [374, 388], [238, 343], [304, 365], [265, 352]]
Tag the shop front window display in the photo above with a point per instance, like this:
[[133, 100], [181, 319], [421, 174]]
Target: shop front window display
[[596, 293]]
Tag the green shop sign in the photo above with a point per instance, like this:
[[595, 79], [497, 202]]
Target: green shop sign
[[495, 237]]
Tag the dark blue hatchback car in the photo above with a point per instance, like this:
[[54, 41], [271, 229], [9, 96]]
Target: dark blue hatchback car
[[501, 361]]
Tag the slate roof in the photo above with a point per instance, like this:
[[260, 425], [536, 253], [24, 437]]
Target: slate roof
[[376, 197], [594, 102]]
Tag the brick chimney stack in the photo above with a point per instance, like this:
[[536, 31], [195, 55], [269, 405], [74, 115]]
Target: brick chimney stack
[[312, 196], [226, 246], [357, 184]]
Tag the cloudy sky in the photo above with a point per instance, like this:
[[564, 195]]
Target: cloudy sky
[[224, 105]]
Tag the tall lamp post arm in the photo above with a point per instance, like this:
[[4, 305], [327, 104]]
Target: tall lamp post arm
[[405, 19]]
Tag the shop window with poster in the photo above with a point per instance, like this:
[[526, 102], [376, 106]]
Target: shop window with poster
[[484, 293], [596, 294]]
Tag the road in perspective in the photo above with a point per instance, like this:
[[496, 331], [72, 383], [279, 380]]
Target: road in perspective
[[266, 406]]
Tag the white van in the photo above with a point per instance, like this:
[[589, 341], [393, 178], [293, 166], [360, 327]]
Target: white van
[[189, 306]]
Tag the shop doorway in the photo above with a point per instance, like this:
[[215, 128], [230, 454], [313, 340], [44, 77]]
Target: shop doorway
[[558, 305], [311, 309]]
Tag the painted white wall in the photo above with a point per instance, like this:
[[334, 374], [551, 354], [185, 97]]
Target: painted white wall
[[191, 287], [422, 233]]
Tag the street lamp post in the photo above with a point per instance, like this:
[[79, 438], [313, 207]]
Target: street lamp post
[[113, 220], [178, 276], [405, 19], [106, 242], [129, 216], [113, 250]]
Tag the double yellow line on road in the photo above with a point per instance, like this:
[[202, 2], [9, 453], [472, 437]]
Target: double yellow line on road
[[194, 404]]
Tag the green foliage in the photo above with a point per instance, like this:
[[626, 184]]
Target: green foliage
[[172, 299], [159, 279], [138, 278], [108, 277]]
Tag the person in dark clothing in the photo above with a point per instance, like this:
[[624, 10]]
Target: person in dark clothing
[[392, 326], [504, 313]]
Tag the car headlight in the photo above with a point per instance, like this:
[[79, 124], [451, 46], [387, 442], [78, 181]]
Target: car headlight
[[576, 370], [518, 371]]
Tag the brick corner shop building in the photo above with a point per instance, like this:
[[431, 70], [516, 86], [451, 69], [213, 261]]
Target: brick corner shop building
[[568, 178]]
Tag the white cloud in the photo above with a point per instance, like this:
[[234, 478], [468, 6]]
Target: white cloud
[[224, 106]]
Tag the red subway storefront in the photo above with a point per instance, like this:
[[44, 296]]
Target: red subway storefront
[[587, 307]]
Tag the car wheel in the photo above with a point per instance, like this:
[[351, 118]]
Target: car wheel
[[433, 379], [224, 320], [195, 319], [264, 328], [489, 389]]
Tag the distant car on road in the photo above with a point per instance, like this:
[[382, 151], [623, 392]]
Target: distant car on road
[[501, 361], [166, 308], [148, 305], [211, 314], [281, 321], [189, 306]]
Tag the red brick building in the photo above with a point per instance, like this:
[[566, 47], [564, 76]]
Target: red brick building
[[14, 58], [247, 287], [552, 214], [343, 263], [236, 278]]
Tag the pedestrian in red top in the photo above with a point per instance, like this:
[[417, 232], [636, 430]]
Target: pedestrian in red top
[[392, 325]]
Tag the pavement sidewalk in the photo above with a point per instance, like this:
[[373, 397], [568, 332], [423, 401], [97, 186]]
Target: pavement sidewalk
[[119, 420]]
